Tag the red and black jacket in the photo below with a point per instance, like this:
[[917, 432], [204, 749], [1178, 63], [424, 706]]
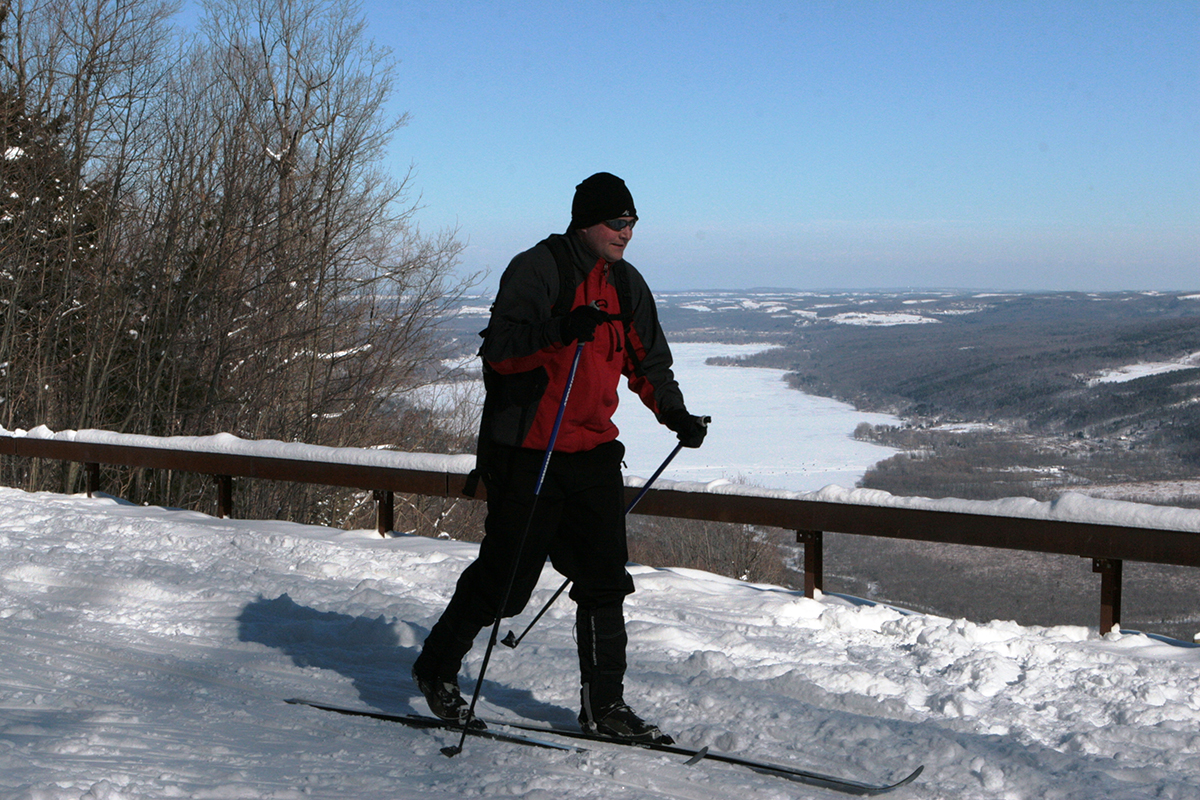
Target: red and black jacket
[[526, 364]]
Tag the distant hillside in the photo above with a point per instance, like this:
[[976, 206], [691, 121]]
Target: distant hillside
[[1039, 369]]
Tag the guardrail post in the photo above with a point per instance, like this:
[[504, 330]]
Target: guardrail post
[[224, 496], [385, 511], [814, 561], [1110, 592], [93, 478]]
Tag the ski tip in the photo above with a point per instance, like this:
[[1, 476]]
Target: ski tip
[[912, 776], [452, 751], [509, 641], [696, 759]]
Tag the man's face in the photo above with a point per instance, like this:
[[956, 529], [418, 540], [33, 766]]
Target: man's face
[[607, 243]]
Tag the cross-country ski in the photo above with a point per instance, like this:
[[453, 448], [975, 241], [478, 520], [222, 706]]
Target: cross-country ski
[[495, 730]]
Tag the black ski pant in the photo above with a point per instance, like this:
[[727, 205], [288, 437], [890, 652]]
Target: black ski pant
[[578, 522]]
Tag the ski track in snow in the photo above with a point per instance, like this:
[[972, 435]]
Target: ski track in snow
[[146, 654]]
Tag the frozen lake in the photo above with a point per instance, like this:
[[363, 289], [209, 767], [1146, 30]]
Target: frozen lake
[[762, 433]]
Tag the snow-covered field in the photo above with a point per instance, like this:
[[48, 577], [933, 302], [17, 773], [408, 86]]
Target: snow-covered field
[[1134, 371], [146, 654]]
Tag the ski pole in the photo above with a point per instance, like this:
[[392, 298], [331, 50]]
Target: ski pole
[[512, 640], [450, 752]]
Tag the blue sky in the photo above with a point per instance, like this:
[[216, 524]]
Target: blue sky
[[1002, 145]]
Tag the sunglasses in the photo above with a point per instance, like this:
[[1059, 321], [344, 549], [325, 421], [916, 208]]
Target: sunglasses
[[620, 224]]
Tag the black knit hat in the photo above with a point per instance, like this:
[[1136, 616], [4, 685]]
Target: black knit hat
[[600, 197]]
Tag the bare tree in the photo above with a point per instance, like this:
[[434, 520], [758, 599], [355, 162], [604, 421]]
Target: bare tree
[[84, 70], [250, 264]]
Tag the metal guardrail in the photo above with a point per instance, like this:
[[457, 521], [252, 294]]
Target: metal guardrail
[[1107, 545]]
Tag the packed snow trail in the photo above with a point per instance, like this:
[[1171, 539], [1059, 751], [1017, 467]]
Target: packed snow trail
[[146, 654]]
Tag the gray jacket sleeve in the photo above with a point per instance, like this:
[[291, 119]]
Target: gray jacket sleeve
[[652, 361], [521, 323]]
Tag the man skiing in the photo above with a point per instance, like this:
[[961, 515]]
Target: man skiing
[[570, 291]]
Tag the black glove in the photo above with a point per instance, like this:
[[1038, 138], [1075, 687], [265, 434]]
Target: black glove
[[581, 324], [689, 429]]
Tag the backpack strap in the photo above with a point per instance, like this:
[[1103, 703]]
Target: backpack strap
[[557, 244], [619, 274]]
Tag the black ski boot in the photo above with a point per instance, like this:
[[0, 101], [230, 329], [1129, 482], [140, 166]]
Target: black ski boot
[[436, 669], [618, 721], [445, 700], [601, 641]]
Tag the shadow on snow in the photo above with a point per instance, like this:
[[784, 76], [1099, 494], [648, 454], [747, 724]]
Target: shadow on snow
[[368, 652]]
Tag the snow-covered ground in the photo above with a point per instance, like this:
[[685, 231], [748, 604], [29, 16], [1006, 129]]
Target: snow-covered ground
[[880, 319], [1132, 372], [146, 653]]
